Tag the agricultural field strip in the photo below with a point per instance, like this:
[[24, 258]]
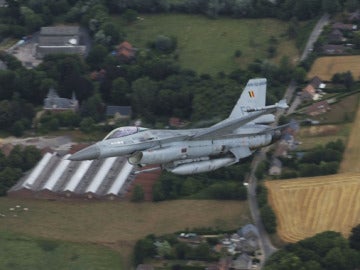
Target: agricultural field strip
[[297, 207], [325, 67], [351, 159]]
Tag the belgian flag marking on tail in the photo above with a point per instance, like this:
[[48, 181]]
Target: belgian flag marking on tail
[[251, 94]]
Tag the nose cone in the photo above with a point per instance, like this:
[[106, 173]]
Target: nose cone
[[91, 152]]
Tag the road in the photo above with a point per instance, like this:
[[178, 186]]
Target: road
[[265, 243], [324, 20]]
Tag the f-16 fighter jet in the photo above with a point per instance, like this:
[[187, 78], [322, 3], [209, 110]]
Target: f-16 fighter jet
[[200, 150]]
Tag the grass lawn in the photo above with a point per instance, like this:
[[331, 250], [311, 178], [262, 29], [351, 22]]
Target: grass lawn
[[208, 45], [313, 136], [117, 224], [25, 252]]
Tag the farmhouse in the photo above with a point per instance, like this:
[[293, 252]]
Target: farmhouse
[[125, 52], [317, 83], [336, 36], [119, 111], [312, 90], [333, 49], [60, 39], [275, 167], [53, 102], [344, 27], [309, 93]]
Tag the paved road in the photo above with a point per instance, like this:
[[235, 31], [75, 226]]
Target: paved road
[[324, 20], [265, 243]]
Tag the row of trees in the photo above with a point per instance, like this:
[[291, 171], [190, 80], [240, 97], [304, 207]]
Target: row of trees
[[155, 86], [322, 160], [267, 214], [328, 250], [171, 248], [20, 18], [283, 9], [11, 167], [205, 186]]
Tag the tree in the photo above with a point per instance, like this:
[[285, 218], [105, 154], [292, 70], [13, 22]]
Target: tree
[[93, 107], [268, 218], [330, 6], [165, 44], [143, 248], [299, 74], [138, 194], [87, 125], [352, 5], [293, 28], [213, 8], [120, 92], [130, 15], [31, 155], [96, 56], [354, 238]]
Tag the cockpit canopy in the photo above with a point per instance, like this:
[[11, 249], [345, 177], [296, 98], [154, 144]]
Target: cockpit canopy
[[123, 131]]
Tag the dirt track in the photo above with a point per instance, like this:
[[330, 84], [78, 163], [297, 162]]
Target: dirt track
[[351, 160]]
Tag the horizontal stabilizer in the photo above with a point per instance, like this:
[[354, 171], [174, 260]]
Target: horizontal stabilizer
[[279, 105], [241, 152]]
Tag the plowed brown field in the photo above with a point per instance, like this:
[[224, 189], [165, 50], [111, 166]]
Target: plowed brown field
[[306, 206]]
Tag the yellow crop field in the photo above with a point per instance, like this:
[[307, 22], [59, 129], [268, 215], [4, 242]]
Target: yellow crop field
[[307, 206], [326, 67]]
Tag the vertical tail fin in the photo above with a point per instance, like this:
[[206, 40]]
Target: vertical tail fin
[[253, 96]]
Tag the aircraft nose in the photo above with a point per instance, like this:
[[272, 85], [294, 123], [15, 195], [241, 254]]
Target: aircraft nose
[[91, 152]]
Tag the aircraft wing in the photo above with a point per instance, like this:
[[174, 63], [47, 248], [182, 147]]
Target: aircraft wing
[[227, 126]]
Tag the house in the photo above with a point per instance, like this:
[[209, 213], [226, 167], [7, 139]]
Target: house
[[98, 75], [354, 17], [242, 262], [145, 267], [317, 83], [119, 112], [125, 52], [249, 231], [344, 26], [318, 108], [60, 39], [309, 93], [336, 36], [275, 167], [3, 66], [53, 102], [333, 49]]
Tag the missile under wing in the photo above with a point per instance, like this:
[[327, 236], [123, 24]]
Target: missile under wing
[[196, 150]]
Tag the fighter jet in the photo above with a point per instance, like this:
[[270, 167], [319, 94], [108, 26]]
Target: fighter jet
[[196, 150]]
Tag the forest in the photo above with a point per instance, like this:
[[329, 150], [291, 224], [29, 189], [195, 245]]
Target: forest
[[154, 84]]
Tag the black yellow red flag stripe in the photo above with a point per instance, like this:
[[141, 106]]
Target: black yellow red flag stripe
[[251, 94]]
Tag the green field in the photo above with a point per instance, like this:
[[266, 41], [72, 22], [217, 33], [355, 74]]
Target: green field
[[116, 224], [25, 252], [208, 45]]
